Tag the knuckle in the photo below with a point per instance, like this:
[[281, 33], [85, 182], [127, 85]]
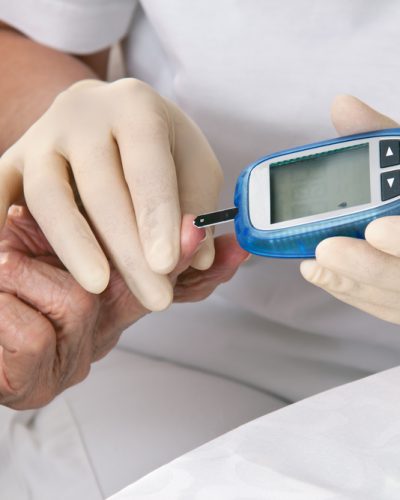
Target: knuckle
[[333, 281], [80, 374], [39, 340], [128, 263], [74, 91], [153, 127], [320, 276], [9, 265], [132, 86], [342, 284]]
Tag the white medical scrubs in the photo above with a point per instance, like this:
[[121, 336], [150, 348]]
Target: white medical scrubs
[[257, 76]]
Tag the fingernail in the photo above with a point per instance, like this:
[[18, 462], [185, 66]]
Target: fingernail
[[15, 211], [203, 238], [248, 258]]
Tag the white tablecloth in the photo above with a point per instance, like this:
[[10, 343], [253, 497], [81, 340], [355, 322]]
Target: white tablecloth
[[340, 444]]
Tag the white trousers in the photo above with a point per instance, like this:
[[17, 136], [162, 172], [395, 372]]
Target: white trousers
[[132, 415], [135, 412]]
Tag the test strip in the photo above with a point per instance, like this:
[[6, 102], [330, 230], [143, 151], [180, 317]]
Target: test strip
[[213, 218]]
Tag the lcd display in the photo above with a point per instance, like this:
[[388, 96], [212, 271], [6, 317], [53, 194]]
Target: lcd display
[[319, 183]]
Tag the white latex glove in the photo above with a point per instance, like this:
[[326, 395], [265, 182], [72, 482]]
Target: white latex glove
[[364, 274], [138, 163]]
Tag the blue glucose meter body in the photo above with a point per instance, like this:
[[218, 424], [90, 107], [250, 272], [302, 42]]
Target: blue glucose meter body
[[291, 200]]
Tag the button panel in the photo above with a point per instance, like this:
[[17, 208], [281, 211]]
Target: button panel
[[389, 153], [390, 185]]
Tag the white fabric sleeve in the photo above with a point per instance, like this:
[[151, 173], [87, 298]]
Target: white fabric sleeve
[[76, 26]]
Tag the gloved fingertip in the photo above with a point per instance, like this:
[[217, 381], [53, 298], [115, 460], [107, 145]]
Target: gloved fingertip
[[96, 279], [384, 234], [162, 256], [350, 115], [204, 257], [159, 299], [309, 270]]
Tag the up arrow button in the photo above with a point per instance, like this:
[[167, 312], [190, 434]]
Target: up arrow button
[[389, 152]]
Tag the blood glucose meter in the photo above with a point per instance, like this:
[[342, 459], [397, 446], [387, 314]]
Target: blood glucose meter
[[289, 201]]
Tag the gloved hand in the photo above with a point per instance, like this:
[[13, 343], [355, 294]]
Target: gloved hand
[[364, 274], [137, 162], [51, 329]]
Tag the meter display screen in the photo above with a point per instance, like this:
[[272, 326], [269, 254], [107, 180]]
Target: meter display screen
[[320, 183]]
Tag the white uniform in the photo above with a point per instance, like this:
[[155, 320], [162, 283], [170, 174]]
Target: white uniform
[[257, 76]]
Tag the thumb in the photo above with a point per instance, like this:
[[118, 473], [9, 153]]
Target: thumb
[[352, 116]]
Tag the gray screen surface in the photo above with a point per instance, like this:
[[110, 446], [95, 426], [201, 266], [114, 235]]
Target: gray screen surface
[[319, 183]]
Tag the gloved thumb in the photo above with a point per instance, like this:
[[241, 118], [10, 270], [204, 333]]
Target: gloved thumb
[[351, 116]]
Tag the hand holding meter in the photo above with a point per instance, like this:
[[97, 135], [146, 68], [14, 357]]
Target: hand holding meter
[[287, 202]]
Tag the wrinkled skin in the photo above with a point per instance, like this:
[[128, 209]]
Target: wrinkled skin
[[137, 163], [52, 329]]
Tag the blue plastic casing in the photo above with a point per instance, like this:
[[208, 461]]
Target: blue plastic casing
[[301, 241]]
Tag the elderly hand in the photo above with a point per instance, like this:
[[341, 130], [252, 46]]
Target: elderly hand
[[364, 274], [138, 163], [51, 328]]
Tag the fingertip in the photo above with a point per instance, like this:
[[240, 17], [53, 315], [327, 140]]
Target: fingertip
[[384, 234], [162, 256], [331, 249], [191, 236], [229, 249], [308, 269], [158, 299], [350, 115], [188, 228], [205, 255], [246, 258], [95, 280]]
